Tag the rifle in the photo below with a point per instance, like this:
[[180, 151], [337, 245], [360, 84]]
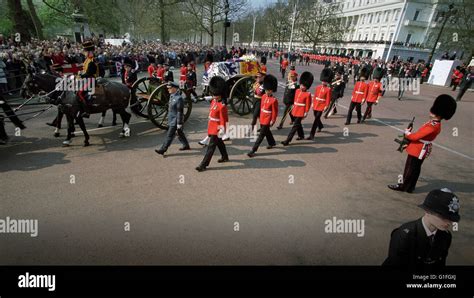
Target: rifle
[[402, 139]]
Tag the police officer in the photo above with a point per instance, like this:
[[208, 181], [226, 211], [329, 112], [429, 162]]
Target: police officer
[[423, 244], [175, 119], [420, 144], [216, 124]]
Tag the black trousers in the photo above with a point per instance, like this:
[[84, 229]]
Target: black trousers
[[368, 110], [3, 133], [285, 114], [411, 173], [357, 106], [172, 130], [265, 132], [214, 142], [10, 113], [462, 91], [297, 128], [256, 112], [317, 123]]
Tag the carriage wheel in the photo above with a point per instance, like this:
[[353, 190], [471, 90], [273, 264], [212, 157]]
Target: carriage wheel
[[241, 96], [157, 107], [140, 95]]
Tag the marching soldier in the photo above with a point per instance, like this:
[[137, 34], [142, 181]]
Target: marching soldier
[[359, 96], [160, 72], [268, 114], [258, 93], [288, 98], [263, 64], [423, 244], [321, 100], [90, 70], [152, 68], [168, 74], [301, 106], [338, 85], [420, 144], [217, 122], [374, 93], [183, 71], [175, 119]]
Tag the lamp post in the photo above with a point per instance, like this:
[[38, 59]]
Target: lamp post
[[448, 15], [226, 21], [293, 26], [253, 30]]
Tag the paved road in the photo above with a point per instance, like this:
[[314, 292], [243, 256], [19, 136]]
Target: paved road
[[279, 200]]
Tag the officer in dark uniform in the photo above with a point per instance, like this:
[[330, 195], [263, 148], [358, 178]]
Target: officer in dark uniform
[[175, 119], [423, 244], [90, 70], [168, 76]]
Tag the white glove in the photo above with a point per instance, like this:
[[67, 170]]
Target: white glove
[[407, 131], [305, 114], [180, 126]]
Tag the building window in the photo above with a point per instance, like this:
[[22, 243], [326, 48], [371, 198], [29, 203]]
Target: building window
[[395, 16], [382, 36], [391, 35], [378, 18], [417, 13], [370, 18], [387, 16], [366, 37], [408, 38], [374, 36], [362, 19], [360, 37]]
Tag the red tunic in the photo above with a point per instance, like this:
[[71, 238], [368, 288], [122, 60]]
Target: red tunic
[[268, 110], [183, 72], [322, 98], [360, 92], [160, 72], [217, 117], [301, 104], [374, 92], [420, 141], [151, 71]]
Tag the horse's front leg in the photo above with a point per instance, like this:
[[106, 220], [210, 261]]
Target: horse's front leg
[[80, 121], [70, 129]]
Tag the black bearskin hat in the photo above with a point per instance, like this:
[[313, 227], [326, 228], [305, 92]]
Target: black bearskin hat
[[263, 60], [306, 79], [217, 86], [88, 46], [270, 83], [128, 61], [444, 106], [326, 75], [364, 72], [340, 70], [378, 73]]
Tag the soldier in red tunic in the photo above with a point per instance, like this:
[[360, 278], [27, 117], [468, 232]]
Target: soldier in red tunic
[[359, 95], [321, 100], [420, 144], [374, 92], [268, 114], [217, 122], [301, 106]]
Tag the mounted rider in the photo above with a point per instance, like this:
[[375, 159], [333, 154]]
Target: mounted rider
[[90, 70]]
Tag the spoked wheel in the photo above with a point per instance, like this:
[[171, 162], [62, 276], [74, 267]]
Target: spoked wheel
[[157, 107], [241, 96], [140, 95]]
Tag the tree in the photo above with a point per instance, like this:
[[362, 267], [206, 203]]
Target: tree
[[317, 22], [34, 18], [206, 14], [18, 17]]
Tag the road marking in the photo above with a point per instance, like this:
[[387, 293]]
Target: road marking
[[401, 130]]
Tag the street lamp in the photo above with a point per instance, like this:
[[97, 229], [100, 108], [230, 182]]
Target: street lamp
[[451, 11], [226, 21]]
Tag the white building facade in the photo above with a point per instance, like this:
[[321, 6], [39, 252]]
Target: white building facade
[[370, 25]]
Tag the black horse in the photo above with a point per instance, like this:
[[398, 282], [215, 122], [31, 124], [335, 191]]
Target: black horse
[[108, 95]]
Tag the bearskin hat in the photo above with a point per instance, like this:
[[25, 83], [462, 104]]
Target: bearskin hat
[[326, 75], [88, 46], [263, 60], [306, 79], [364, 72], [340, 70], [444, 106], [151, 59], [377, 73], [217, 86], [270, 83], [128, 61]]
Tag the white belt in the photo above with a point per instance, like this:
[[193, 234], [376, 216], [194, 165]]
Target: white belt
[[424, 149], [214, 119], [266, 111], [320, 99], [300, 104], [359, 92]]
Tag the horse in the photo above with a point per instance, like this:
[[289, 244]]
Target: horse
[[107, 95], [46, 83]]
